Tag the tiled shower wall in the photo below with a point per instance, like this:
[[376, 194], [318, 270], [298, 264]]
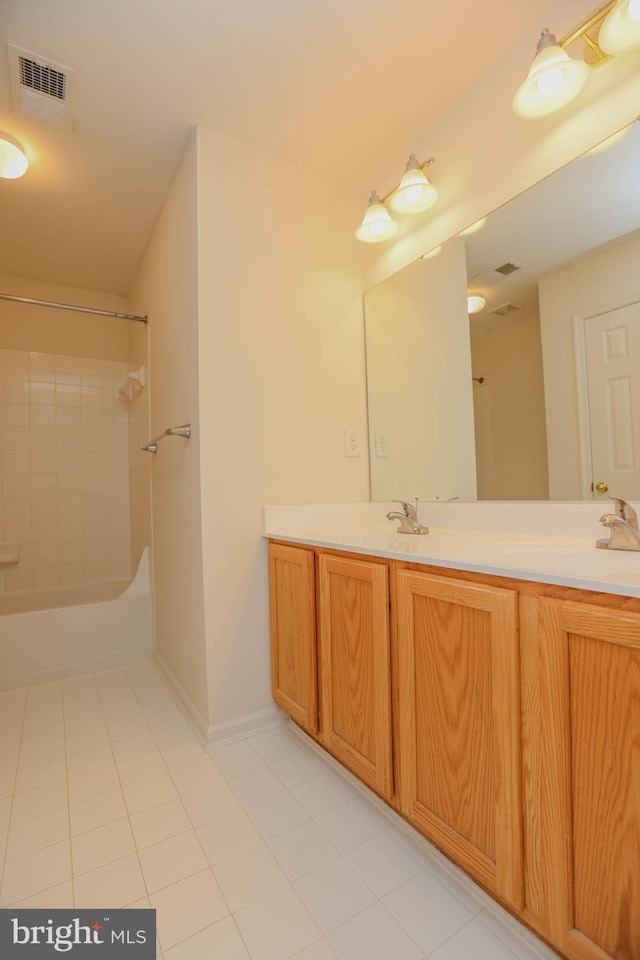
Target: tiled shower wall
[[64, 467]]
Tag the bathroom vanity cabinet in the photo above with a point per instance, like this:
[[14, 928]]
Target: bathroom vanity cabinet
[[458, 723], [354, 654], [292, 610], [499, 716]]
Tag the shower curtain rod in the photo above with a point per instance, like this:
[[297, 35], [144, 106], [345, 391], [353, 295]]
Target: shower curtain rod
[[70, 306]]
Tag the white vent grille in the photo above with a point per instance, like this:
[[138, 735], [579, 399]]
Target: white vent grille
[[40, 87], [39, 77]]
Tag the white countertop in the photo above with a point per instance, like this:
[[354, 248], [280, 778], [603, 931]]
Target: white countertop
[[565, 560]]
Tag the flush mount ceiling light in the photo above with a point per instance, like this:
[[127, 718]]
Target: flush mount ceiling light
[[555, 79], [13, 160], [413, 194], [620, 31], [377, 225], [475, 303]]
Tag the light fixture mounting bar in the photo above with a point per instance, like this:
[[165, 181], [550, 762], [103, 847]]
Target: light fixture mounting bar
[[587, 24], [423, 166]]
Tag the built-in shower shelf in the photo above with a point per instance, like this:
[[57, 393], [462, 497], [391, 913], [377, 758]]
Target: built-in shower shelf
[[9, 553]]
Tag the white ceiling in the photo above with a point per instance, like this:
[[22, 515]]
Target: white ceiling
[[342, 87]]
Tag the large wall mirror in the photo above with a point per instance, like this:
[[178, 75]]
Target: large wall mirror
[[537, 396]]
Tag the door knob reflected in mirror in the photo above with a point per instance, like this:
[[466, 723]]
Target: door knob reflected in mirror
[[602, 487]]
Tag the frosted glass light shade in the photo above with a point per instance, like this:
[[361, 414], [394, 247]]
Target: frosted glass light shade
[[553, 81], [475, 303], [415, 193], [13, 162], [620, 29], [377, 225]]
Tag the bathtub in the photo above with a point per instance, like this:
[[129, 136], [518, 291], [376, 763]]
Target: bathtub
[[57, 633]]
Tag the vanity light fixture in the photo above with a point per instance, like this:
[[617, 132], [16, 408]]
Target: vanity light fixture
[[13, 160], [413, 194], [620, 31], [475, 303], [555, 79], [377, 224]]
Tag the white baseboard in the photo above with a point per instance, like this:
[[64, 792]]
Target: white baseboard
[[214, 735], [194, 717], [251, 724]]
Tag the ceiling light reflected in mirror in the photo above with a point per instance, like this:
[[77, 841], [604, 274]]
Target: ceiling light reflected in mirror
[[476, 303]]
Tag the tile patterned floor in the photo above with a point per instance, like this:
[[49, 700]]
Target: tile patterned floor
[[262, 851]]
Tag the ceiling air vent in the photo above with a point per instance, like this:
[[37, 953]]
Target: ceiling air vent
[[509, 267], [498, 273], [40, 87], [504, 309]]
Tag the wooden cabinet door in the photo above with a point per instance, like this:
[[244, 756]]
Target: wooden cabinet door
[[355, 669], [590, 702], [294, 681], [459, 721]]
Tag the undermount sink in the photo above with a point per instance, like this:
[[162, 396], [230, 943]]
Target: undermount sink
[[9, 553]]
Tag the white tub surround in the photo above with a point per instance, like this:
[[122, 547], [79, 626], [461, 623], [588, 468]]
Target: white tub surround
[[543, 542], [53, 634]]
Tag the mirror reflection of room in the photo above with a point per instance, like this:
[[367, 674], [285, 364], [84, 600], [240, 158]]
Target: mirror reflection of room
[[550, 377]]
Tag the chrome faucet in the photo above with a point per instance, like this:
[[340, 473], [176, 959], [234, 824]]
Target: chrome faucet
[[408, 519], [623, 526]]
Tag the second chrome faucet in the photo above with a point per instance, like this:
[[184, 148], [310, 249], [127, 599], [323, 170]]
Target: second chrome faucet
[[623, 526], [408, 518]]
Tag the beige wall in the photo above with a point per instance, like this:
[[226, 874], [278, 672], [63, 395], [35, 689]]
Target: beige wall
[[582, 289], [419, 380], [281, 376], [512, 398], [166, 290]]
